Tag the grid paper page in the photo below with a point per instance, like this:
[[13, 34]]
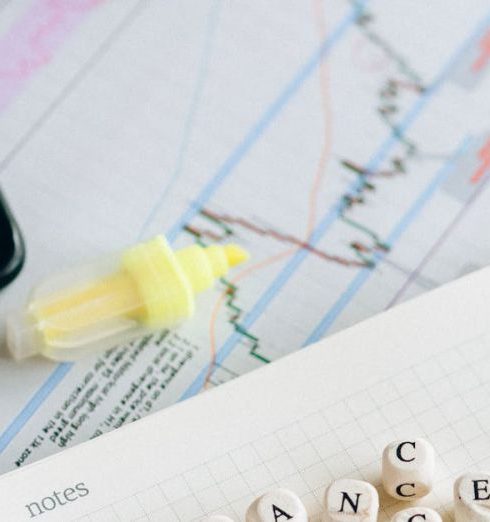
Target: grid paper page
[[316, 416], [443, 399]]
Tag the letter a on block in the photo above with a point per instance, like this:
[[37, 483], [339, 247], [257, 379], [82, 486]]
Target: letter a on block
[[279, 505], [472, 498], [408, 469], [417, 514], [217, 518], [348, 500]]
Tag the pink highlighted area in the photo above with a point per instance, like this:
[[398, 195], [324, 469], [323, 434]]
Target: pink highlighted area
[[32, 41]]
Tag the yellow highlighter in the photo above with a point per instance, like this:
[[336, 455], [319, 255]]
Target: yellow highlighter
[[147, 287]]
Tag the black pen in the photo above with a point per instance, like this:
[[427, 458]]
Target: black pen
[[12, 246]]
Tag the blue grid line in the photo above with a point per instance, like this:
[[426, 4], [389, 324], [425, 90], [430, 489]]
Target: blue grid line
[[232, 161], [331, 215], [62, 369], [365, 273], [201, 76], [265, 120], [30, 408]]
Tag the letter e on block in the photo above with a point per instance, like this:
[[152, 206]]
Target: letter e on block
[[408, 469], [417, 514], [472, 498], [279, 505], [351, 500]]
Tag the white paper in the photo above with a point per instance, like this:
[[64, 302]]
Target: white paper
[[123, 119], [326, 412]]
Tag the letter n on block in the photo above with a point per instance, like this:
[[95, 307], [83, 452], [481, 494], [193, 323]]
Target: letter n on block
[[353, 500]]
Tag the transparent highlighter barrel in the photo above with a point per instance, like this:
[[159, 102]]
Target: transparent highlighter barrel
[[91, 308]]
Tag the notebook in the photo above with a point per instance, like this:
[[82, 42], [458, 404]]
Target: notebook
[[420, 369]]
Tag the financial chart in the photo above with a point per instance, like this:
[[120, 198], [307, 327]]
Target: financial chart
[[345, 144]]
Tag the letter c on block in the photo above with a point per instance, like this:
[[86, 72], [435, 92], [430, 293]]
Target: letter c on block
[[401, 493], [399, 451]]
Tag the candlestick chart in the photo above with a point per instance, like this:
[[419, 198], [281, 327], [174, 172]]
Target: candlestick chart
[[344, 144]]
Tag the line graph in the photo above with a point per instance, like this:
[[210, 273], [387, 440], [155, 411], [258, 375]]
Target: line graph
[[223, 220], [325, 152], [365, 254], [340, 166], [250, 138], [326, 222], [480, 177], [365, 24], [363, 275], [270, 114]]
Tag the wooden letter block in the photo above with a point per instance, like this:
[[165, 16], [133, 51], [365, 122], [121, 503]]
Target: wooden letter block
[[408, 469], [417, 514], [279, 505], [472, 498], [348, 500]]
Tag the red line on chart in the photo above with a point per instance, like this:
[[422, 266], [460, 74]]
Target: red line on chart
[[280, 236], [484, 156], [484, 56], [325, 154]]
